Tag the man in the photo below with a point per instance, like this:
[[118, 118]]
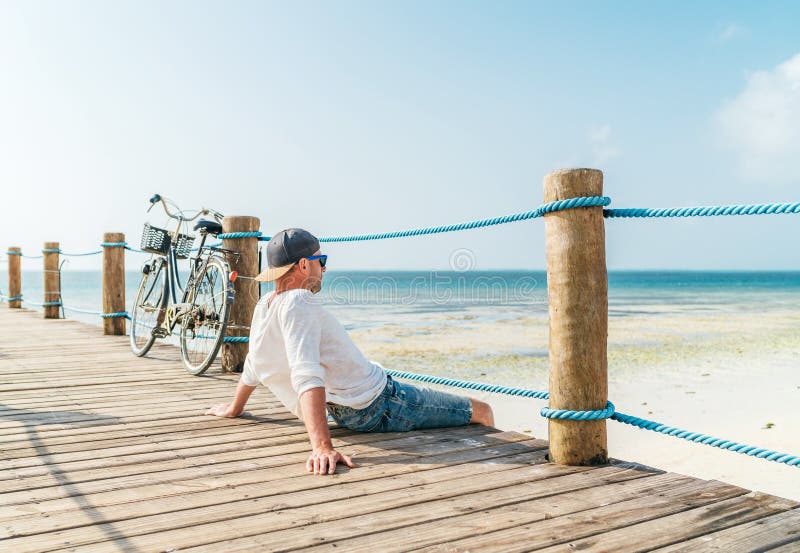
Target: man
[[304, 355]]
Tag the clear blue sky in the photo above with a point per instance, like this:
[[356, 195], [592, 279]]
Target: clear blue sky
[[353, 117]]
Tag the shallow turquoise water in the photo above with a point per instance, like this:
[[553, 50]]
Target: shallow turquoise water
[[363, 299]]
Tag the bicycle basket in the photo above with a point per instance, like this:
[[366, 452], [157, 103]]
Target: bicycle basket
[[157, 240]]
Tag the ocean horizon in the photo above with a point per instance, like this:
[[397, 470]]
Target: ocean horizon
[[366, 298]]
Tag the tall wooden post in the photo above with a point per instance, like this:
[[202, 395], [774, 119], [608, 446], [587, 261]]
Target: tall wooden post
[[233, 354], [113, 283], [52, 281], [14, 277], [577, 289]]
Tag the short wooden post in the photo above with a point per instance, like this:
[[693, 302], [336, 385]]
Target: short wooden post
[[14, 277], [52, 281], [233, 354], [577, 289], [113, 283]]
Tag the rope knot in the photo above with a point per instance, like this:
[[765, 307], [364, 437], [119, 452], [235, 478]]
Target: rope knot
[[568, 414]]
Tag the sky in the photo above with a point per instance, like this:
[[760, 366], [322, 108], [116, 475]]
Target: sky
[[360, 117]]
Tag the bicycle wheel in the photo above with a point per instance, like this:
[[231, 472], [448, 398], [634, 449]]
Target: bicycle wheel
[[203, 326], [151, 299]]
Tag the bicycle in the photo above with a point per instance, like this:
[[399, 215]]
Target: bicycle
[[206, 299]]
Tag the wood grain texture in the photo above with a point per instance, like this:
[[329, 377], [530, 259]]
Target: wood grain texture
[[114, 284], [14, 277], [52, 281], [577, 291], [246, 264]]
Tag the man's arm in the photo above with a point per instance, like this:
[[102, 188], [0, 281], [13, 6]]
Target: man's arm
[[235, 408], [323, 457]]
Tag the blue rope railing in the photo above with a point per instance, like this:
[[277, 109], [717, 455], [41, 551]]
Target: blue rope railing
[[45, 304], [705, 439], [569, 414], [117, 315], [68, 254], [477, 386], [229, 235], [120, 314], [81, 310], [571, 203], [81, 254], [589, 201], [236, 339], [608, 413], [707, 211]]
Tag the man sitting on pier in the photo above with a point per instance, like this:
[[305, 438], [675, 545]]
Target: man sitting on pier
[[304, 355]]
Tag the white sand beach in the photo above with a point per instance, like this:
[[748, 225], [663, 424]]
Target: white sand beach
[[731, 373]]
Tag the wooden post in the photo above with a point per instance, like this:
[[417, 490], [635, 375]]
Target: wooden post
[[233, 354], [577, 289], [113, 283], [14, 276], [52, 282]]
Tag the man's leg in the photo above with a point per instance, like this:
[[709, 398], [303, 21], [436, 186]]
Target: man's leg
[[481, 413], [402, 407], [410, 407]]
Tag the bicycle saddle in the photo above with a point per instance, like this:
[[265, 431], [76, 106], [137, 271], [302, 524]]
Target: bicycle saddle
[[211, 227]]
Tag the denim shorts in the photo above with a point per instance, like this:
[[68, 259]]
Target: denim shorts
[[401, 407]]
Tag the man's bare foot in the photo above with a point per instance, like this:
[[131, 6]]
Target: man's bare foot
[[481, 413]]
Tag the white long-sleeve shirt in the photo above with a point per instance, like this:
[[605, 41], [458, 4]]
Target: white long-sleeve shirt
[[296, 344]]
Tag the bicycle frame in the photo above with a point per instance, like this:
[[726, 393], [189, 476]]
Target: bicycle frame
[[197, 267], [173, 283]]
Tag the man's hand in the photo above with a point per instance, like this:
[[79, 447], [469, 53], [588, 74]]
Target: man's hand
[[235, 408], [223, 410], [323, 461]]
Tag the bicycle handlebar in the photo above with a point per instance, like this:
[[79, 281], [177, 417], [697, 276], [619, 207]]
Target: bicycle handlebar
[[180, 216]]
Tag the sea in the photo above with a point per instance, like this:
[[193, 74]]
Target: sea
[[363, 299]]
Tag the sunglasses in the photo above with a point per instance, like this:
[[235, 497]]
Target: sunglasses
[[322, 259]]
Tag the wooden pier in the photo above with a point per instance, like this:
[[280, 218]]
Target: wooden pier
[[104, 451]]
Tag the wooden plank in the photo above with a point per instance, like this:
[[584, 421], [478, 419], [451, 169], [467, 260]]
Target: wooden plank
[[365, 446], [477, 529], [107, 390], [117, 396], [288, 527], [243, 473], [75, 424], [145, 404], [153, 430], [126, 453], [787, 548], [79, 382], [781, 531], [216, 511], [28, 417], [92, 447], [528, 526], [293, 492], [683, 526]]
